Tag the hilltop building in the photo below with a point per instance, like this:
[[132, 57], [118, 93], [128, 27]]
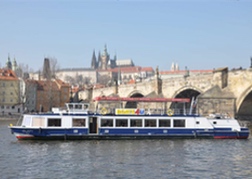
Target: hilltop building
[[103, 70], [104, 62]]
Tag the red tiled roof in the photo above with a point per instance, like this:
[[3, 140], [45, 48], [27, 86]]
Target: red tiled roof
[[131, 69], [45, 85], [62, 83], [147, 69], [131, 81], [7, 74]]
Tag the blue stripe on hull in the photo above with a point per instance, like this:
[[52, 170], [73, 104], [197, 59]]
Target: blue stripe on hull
[[164, 133], [128, 133], [40, 132]]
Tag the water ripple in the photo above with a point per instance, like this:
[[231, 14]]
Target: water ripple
[[214, 159]]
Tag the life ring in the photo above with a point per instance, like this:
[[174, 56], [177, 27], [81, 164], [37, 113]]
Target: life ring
[[170, 112], [104, 111]]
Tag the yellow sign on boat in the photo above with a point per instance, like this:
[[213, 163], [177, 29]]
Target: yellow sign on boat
[[128, 111]]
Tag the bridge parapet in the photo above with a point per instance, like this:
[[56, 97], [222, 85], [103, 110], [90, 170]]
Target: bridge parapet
[[220, 89]]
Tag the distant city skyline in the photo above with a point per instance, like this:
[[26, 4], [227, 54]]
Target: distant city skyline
[[194, 34]]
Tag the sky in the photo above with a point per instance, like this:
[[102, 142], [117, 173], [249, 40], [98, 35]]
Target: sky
[[195, 34]]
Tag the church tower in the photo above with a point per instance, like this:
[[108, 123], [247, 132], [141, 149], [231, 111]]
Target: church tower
[[8, 63], [14, 65], [104, 59]]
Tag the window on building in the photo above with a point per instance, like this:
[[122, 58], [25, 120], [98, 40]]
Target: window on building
[[54, 122], [164, 123], [179, 123]]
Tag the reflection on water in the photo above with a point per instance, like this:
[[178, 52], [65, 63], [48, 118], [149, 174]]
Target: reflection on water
[[194, 158]]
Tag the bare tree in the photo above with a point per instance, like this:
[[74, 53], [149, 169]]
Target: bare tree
[[54, 66], [23, 71], [104, 79], [69, 79]]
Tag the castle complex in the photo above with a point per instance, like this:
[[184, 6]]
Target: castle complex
[[103, 71], [104, 61]]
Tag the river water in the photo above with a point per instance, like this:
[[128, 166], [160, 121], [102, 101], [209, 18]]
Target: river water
[[128, 159]]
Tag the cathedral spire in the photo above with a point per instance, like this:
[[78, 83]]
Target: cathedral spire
[[94, 62], [105, 52]]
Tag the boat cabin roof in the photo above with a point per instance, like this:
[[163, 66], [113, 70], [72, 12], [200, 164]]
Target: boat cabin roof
[[73, 108]]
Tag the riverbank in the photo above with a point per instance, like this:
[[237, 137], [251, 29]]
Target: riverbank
[[14, 118]]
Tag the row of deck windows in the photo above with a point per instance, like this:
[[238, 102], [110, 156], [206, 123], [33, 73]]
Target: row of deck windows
[[139, 123], [124, 123], [118, 122]]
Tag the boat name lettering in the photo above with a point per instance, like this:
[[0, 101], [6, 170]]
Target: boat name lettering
[[129, 111], [27, 131]]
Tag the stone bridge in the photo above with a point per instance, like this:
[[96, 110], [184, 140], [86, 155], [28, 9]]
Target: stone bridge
[[221, 91]]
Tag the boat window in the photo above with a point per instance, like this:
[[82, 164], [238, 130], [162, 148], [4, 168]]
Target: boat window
[[70, 106], [106, 122], [150, 123], [27, 121], [38, 121], [54, 122], [121, 122], [85, 106], [78, 106], [179, 123], [197, 122], [164, 123], [136, 122], [79, 122]]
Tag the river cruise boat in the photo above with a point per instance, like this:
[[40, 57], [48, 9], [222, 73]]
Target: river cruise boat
[[77, 122]]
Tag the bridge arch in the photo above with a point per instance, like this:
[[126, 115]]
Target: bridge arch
[[244, 103], [185, 92], [187, 88], [134, 94]]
